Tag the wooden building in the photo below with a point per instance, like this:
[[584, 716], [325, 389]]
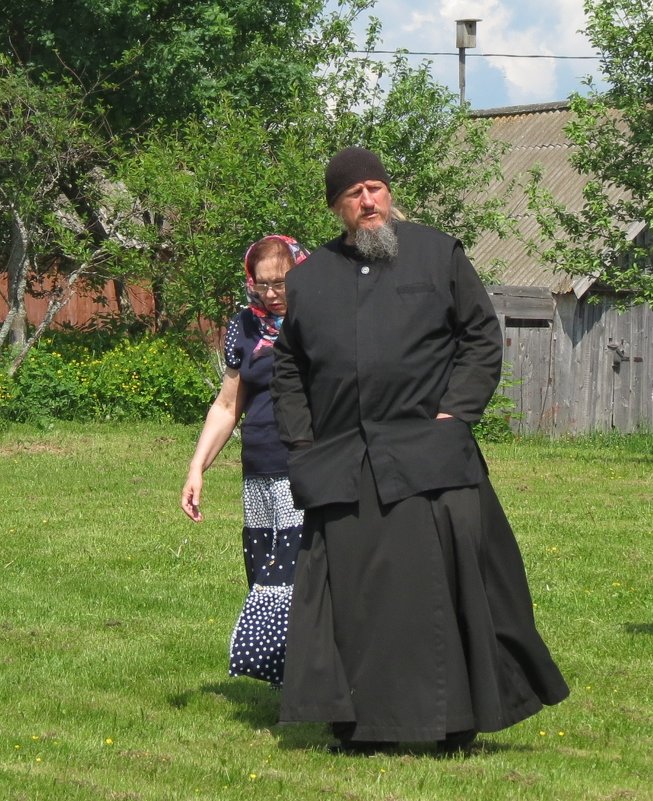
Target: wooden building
[[580, 364]]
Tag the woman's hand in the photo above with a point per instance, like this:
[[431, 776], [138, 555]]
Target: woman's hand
[[190, 496]]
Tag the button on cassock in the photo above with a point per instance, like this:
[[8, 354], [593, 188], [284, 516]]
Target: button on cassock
[[365, 270]]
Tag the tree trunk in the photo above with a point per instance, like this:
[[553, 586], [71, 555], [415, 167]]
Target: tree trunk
[[158, 285], [123, 301], [58, 300], [14, 328]]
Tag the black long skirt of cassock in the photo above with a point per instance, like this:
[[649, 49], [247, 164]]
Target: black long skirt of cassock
[[414, 620]]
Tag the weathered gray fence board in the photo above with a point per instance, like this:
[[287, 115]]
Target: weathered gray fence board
[[524, 308], [586, 368]]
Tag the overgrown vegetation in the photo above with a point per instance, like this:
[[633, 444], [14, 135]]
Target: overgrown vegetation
[[102, 375], [166, 154], [612, 134], [116, 611], [81, 377], [497, 423]]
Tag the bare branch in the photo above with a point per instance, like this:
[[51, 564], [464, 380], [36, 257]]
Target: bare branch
[[58, 300]]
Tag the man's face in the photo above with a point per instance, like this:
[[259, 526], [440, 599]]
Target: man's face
[[364, 205]]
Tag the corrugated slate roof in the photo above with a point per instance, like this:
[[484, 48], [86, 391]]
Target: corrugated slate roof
[[535, 136]]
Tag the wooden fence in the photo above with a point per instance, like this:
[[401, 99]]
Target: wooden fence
[[580, 365], [85, 304]]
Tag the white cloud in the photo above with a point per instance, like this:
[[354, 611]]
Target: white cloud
[[527, 27], [506, 27]]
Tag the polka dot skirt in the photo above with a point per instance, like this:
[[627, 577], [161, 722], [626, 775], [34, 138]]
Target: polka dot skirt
[[267, 502], [272, 531], [258, 643], [271, 539]]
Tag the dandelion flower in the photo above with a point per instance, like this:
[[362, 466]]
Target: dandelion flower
[[108, 741]]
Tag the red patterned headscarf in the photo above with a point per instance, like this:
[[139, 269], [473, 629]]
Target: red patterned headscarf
[[269, 324]]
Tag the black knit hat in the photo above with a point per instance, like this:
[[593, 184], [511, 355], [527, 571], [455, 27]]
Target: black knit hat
[[351, 166]]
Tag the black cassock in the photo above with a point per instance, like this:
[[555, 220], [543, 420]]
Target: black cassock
[[411, 613]]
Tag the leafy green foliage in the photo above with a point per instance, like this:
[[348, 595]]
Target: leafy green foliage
[[60, 215], [613, 137], [213, 186], [146, 379], [219, 182], [435, 154], [150, 379], [94, 375], [150, 60], [48, 387], [7, 391], [500, 413], [49, 144], [240, 105]]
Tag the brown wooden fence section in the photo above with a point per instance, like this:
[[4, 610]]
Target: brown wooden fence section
[[83, 305]]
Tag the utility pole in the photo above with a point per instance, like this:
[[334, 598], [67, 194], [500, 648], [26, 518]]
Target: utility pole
[[465, 37]]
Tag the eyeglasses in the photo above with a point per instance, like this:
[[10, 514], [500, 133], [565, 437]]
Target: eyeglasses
[[278, 287]]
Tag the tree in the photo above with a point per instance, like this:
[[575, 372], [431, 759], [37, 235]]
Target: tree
[[72, 76], [608, 237], [217, 168], [212, 186], [435, 153], [217, 183], [153, 61], [50, 197]]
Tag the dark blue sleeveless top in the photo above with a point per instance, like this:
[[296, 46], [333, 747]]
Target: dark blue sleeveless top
[[262, 452]]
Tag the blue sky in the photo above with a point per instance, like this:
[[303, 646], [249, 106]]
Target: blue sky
[[531, 27]]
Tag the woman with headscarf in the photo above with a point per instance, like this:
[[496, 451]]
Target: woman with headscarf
[[272, 524]]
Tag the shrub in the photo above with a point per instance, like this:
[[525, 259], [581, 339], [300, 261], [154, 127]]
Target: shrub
[[149, 379], [6, 394], [46, 386], [74, 376], [494, 426], [152, 378]]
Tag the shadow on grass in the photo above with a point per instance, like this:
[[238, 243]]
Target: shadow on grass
[[257, 705], [301, 737], [254, 703], [638, 628]]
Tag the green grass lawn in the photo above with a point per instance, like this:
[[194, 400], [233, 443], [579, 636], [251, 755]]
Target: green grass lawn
[[116, 612]]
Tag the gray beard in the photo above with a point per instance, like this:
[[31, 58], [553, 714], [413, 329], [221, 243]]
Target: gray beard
[[377, 244]]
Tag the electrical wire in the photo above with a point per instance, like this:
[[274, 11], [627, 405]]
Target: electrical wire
[[467, 54]]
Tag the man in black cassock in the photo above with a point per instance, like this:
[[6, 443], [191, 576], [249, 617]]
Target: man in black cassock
[[411, 618]]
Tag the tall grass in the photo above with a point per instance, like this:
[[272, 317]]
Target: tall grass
[[116, 611]]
